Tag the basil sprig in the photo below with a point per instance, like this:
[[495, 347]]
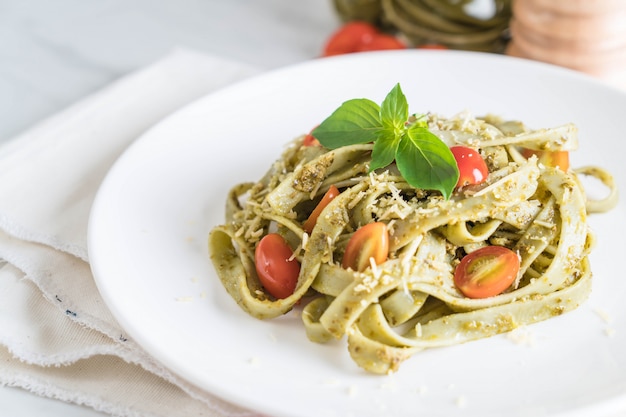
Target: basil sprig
[[422, 158]]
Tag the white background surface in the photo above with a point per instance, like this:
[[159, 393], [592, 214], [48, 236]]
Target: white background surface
[[53, 53]]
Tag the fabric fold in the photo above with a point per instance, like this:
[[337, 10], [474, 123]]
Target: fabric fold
[[57, 337]]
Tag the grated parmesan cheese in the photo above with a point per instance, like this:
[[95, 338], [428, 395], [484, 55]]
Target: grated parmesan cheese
[[604, 315], [461, 401], [521, 336]]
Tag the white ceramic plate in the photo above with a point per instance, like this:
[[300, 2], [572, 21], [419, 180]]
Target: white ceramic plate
[[149, 226]]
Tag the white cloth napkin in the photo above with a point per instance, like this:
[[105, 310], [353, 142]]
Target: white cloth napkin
[[57, 337]]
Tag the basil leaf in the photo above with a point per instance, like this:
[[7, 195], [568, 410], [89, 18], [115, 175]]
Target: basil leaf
[[422, 158], [394, 110], [355, 121], [385, 149], [426, 162]]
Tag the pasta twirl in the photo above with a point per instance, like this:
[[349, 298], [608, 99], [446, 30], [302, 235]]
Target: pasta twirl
[[410, 302]]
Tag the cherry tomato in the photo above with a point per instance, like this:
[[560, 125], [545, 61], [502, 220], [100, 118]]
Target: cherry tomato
[[381, 42], [486, 272], [310, 223], [369, 241], [359, 37], [472, 167], [349, 37], [310, 140], [553, 159], [277, 272]]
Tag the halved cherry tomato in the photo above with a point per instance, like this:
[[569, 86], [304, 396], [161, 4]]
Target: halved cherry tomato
[[277, 272], [349, 37], [472, 167], [486, 272], [553, 159], [369, 241], [381, 42], [310, 223]]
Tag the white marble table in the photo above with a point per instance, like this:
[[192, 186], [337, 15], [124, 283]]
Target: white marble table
[[52, 53]]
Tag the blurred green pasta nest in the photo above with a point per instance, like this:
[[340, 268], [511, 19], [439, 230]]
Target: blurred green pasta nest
[[480, 25]]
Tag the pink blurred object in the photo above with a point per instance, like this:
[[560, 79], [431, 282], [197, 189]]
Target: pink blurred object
[[585, 35]]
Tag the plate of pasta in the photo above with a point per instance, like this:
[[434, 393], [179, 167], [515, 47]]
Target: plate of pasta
[[390, 233]]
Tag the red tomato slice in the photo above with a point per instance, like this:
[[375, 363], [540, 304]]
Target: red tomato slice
[[277, 272], [369, 241], [486, 272], [349, 37], [312, 220], [553, 159], [472, 167], [382, 42]]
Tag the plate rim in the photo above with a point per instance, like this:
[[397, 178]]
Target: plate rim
[[273, 74]]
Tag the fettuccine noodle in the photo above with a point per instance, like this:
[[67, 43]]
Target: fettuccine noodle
[[410, 302]]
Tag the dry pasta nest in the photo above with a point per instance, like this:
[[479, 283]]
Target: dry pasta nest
[[448, 22]]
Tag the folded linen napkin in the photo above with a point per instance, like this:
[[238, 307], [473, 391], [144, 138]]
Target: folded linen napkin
[[57, 337]]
